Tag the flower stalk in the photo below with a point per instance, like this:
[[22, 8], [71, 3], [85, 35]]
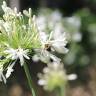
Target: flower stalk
[[62, 91], [29, 79]]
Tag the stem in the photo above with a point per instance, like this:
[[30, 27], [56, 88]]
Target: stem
[[29, 78], [62, 91]]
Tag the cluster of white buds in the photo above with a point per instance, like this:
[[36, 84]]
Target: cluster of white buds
[[9, 13], [14, 40], [54, 76]]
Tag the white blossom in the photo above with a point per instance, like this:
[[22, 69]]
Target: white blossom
[[10, 70], [45, 56], [72, 77], [41, 22], [7, 27], [54, 75], [17, 54], [35, 58], [74, 21], [57, 43], [9, 13], [2, 77], [5, 8], [77, 37], [47, 20], [41, 82], [56, 16]]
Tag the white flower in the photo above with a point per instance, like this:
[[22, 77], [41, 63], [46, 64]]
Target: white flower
[[57, 43], [72, 77], [35, 58], [17, 54], [54, 75], [9, 13], [2, 77], [74, 21], [41, 82], [10, 70], [77, 37], [56, 16], [5, 8], [44, 56], [21, 54], [46, 20], [41, 22], [12, 53], [43, 37], [7, 27]]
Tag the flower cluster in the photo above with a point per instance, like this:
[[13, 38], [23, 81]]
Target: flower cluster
[[18, 37], [53, 20], [22, 39], [49, 20], [54, 76]]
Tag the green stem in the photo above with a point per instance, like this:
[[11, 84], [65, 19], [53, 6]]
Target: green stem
[[62, 91], [29, 78]]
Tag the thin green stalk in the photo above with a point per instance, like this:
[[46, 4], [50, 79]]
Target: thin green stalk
[[29, 78], [62, 91]]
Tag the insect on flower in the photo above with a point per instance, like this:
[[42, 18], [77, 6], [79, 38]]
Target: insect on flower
[[53, 42]]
